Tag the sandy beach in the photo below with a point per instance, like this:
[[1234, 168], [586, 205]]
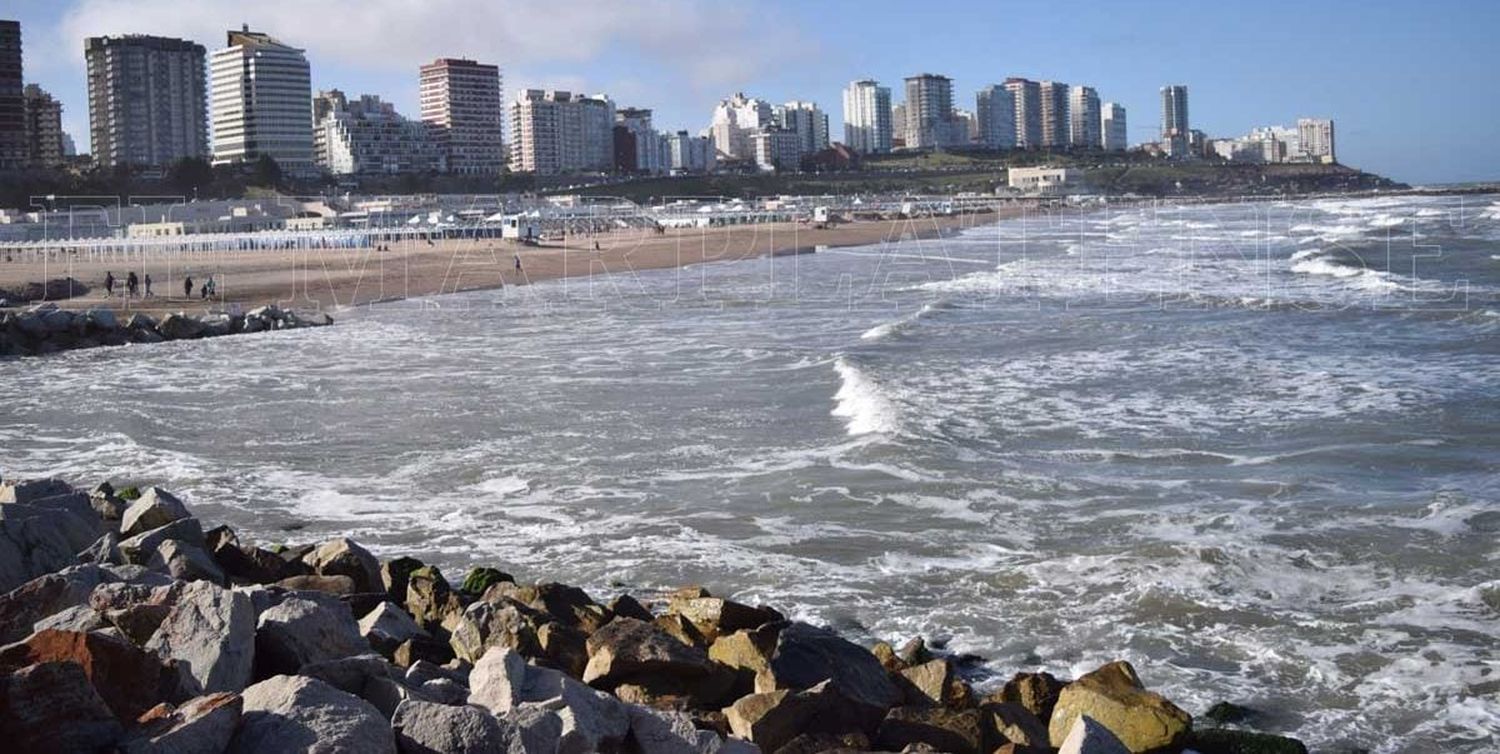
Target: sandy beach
[[330, 279]]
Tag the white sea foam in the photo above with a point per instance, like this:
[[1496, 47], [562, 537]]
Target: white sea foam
[[861, 402]]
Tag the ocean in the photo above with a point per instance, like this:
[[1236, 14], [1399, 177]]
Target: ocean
[[1250, 447]]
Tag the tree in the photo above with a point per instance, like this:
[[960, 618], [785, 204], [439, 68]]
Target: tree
[[190, 175], [267, 173]]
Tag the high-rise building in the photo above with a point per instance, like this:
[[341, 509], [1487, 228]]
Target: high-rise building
[[367, 136], [691, 154], [261, 103], [147, 100], [995, 111], [929, 112], [44, 134], [1055, 120], [1028, 98], [777, 148], [1175, 131], [1084, 125], [898, 125], [735, 120], [638, 146], [1112, 127], [558, 132], [462, 102], [13, 151], [1315, 138], [808, 121], [867, 117]]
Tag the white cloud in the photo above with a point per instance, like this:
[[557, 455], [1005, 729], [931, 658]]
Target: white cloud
[[705, 45]]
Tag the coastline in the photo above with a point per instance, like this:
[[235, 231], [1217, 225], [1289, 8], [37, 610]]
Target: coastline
[[130, 623], [328, 280]]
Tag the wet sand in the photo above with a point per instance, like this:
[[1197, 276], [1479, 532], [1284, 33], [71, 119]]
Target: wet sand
[[329, 279]]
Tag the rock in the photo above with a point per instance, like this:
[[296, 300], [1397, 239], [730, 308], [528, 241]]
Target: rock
[[427, 728], [1037, 692], [30, 490], [185, 562], [431, 602], [106, 549], [102, 319], [502, 623], [930, 683], [52, 707], [1087, 736], [338, 585], [713, 616], [660, 732], [771, 719], [286, 714], [956, 731], [35, 541], [203, 725], [1229, 713], [394, 575], [627, 648], [179, 326], [1228, 741], [250, 564], [22, 607], [682, 630], [592, 720], [749, 652], [1114, 697], [154, 509], [127, 679], [626, 606], [389, 626], [478, 580], [352, 674], [136, 610], [139, 548], [301, 631], [140, 321], [422, 649], [886, 654], [343, 557], [807, 655], [1005, 722], [78, 618], [209, 635]]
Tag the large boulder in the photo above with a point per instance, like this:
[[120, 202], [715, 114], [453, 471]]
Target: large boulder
[[387, 627], [930, 683], [807, 655], [45, 595], [154, 509], [1005, 722], [431, 602], [773, 718], [1232, 741], [1037, 692], [1115, 698], [139, 549], [428, 728], [289, 714], [344, 557], [394, 575], [202, 725], [947, 730], [29, 490], [128, 679], [499, 621], [209, 635], [38, 540], [179, 326], [52, 707], [655, 731], [1086, 736], [714, 616], [301, 630], [591, 720], [628, 649], [185, 562]]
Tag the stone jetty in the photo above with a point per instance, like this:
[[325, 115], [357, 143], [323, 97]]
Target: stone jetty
[[129, 625], [45, 328]]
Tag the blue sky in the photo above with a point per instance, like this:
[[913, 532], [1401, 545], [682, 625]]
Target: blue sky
[[1410, 84]]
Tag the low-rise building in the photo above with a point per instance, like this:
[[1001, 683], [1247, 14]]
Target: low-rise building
[[1042, 181], [368, 137]]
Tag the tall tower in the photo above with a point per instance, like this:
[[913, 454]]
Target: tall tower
[[867, 117], [1054, 114], [995, 108], [929, 111], [461, 100], [1084, 118], [147, 100], [1174, 111], [1028, 97], [1112, 127], [13, 151], [262, 103]]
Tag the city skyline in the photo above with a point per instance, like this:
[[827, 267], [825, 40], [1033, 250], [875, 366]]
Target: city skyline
[[641, 58]]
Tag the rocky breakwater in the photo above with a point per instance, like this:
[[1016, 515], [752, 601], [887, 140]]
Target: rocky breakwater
[[127, 625], [46, 328]]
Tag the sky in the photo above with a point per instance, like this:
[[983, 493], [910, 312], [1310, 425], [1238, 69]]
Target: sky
[[1410, 85]]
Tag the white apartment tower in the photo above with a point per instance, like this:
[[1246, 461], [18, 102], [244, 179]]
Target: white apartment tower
[[1084, 124], [867, 117], [1315, 138], [461, 101], [995, 109], [1112, 127], [735, 120], [261, 103], [1028, 98], [557, 132], [1055, 121]]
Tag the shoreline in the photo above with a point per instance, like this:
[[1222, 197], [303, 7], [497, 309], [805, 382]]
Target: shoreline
[[132, 624]]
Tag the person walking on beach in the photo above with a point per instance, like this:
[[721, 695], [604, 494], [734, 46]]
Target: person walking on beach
[[187, 287], [207, 289], [132, 284], [109, 284], [518, 263], [148, 285]]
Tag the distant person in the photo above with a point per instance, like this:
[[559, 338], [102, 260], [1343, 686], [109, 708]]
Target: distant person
[[109, 284], [207, 289], [148, 285], [132, 284], [187, 287], [518, 263]]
